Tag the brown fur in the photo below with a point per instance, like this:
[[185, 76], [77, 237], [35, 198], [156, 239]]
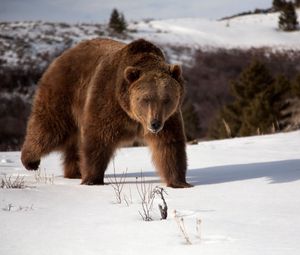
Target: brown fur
[[101, 94]]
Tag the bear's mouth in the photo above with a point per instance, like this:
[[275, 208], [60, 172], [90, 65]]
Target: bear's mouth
[[155, 130], [155, 126]]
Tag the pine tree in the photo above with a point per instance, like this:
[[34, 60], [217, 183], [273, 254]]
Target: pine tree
[[265, 112], [254, 108], [190, 119], [117, 22], [291, 112], [253, 82], [296, 87], [288, 17], [278, 4]]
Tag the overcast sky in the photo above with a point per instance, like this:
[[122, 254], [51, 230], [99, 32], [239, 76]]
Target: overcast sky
[[99, 10]]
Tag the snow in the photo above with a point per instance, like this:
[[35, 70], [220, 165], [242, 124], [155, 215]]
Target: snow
[[28, 42], [246, 194], [256, 30]]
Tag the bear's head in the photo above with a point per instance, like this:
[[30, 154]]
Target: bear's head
[[149, 90], [154, 94]]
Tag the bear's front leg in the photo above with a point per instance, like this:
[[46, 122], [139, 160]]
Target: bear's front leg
[[94, 159], [169, 153]]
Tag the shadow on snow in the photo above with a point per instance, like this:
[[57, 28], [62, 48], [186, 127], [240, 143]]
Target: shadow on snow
[[275, 172]]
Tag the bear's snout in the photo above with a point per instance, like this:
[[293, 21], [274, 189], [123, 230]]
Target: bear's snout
[[155, 126]]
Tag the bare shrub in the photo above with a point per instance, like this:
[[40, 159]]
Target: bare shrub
[[147, 196], [12, 183], [128, 200], [118, 185]]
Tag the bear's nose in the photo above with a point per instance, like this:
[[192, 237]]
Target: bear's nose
[[155, 125]]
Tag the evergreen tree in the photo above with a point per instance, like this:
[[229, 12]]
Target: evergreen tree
[[288, 17], [117, 22], [190, 119], [265, 111], [291, 112], [259, 101], [278, 4], [296, 87]]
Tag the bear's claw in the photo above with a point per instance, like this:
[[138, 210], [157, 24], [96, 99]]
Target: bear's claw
[[34, 165], [92, 181], [180, 185]]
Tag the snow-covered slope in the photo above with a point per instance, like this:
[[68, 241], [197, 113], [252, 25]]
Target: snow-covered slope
[[33, 43], [256, 30], [28, 42], [246, 194]]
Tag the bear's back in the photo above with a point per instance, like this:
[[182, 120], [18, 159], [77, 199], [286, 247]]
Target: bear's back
[[64, 85]]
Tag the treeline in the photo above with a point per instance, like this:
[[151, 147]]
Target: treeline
[[262, 104], [216, 83]]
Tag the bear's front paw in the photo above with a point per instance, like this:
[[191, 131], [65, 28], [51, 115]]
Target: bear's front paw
[[92, 181], [29, 160], [31, 165], [178, 185]]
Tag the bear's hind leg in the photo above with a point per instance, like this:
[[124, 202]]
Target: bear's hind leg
[[71, 159], [42, 137]]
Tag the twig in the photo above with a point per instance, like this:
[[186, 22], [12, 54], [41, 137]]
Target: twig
[[198, 227], [147, 196], [180, 222], [118, 184]]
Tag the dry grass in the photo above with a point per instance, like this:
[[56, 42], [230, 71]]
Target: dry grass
[[41, 176], [180, 223], [12, 182], [227, 128], [12, 208]]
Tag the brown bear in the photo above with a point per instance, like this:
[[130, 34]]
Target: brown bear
[[101, 94]]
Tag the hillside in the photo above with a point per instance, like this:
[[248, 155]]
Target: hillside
[[256, 30], [246, 194], [211, 52], [24, 41]]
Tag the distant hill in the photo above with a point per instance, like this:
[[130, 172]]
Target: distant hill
[[211, 53]]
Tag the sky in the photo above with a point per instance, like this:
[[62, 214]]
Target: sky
[[99, 11]]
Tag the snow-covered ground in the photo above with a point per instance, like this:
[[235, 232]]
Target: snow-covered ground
[[22, 43], [256, 30], [246, 194]]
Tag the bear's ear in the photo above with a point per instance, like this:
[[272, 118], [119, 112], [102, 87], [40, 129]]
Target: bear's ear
[[175, 71], [131, 74]]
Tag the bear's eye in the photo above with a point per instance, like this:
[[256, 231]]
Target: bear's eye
[[146, 100], [166, 101]]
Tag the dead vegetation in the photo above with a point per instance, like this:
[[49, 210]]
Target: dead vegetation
[[118, 185], [12, 182]]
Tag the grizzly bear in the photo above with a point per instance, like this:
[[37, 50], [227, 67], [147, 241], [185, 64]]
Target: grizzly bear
[[101, 94]]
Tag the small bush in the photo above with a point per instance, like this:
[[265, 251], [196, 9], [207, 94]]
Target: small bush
[[12, 183]]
